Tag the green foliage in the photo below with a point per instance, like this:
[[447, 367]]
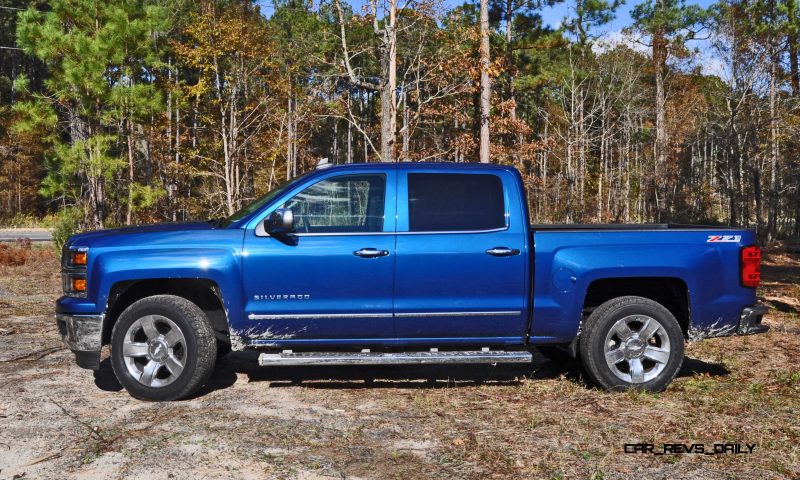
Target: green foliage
[[145, 196], [140, 110], [673, 19], [102, 58], [35, 117], [27, 220], [67, 223], [589, 15]]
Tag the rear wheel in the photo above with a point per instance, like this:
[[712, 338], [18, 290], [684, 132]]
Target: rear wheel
[[163, 348], [631, 343]]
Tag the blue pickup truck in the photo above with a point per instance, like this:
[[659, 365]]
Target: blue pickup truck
[[406, 263]]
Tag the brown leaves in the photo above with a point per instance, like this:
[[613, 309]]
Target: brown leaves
[[16, 253], [235, 34]]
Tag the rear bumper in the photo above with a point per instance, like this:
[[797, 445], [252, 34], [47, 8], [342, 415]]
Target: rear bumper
[[750, 320], [83, 334]]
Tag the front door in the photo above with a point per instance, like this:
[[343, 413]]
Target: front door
[[460, 273], [332, 278]]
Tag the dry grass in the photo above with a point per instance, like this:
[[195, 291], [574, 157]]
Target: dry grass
[[16, 253], [537, 421]]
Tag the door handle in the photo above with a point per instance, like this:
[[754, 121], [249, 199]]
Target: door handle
[[370, 253], [502, 252]]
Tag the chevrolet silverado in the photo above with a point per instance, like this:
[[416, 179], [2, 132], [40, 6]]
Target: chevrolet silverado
[[408, 263]]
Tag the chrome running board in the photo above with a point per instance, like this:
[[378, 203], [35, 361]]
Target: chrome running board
[[287, 357]]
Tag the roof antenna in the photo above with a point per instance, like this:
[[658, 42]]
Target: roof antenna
[[323, 163]]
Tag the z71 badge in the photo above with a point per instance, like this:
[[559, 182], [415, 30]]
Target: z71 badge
[[724, 238]]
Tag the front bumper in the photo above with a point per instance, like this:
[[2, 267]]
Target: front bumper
[[750, 320], [83, 334]]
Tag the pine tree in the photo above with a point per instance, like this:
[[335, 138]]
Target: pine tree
[[102, 58], [669, 24]]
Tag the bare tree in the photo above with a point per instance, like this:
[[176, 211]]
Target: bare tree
[[387, 84], [486, 88]]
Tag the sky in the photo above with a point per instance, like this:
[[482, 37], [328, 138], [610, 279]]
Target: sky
[[551, 15], [554, 15], [610, 33]]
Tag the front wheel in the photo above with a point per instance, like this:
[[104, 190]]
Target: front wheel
[[631, 343], [163, 348]]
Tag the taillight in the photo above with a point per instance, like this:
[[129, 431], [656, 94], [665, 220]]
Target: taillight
[[751, 266]]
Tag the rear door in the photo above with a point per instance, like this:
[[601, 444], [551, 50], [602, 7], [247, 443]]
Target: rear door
[[460, 271]]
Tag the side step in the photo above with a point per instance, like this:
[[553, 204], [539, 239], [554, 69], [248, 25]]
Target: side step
[[287, 357]]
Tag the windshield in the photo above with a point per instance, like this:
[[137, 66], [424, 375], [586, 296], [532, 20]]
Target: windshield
[[255, 206]]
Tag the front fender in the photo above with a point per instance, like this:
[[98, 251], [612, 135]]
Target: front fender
[[220, 265]]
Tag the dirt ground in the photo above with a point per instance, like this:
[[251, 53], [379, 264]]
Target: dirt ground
[[535, 421]]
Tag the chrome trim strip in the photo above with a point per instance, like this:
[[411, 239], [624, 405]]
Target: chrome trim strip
[[338, 234], [457, 314], [451, 232], [303, 316], [322, 316]]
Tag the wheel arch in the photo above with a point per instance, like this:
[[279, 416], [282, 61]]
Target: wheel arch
[[671, 292], [204, 293]]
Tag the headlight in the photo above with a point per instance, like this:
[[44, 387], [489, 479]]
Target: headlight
[[74, 284], [78, 259], [74, 261], [75, 257]]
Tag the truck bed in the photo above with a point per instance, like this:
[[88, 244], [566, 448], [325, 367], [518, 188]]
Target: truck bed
[[624, 226]]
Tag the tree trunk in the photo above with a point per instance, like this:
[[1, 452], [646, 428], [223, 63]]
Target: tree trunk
[[510, 59], [794, 74], [792, 41], [389, 86], [349, 134], [660, 144], [170, 150], [406, 133], [772, 214], [289, 136], [131, 174], [486, 89]]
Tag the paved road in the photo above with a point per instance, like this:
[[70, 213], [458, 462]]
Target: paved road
[[35, 234]]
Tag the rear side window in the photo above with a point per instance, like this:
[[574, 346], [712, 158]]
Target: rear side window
[[446, 202]]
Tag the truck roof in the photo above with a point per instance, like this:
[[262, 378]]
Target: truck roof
[[450, 166]]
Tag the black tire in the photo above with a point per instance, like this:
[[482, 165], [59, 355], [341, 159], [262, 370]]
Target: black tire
[[637, 310], [198, 358]]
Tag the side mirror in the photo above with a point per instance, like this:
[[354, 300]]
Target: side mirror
[[279, 222]]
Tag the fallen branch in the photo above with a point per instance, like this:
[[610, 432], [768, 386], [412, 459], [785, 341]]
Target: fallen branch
[[33, 462], [94, 430], [43, 458], [33, 356]]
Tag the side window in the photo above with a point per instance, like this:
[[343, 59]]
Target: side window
[[345, 204], [441, 202]]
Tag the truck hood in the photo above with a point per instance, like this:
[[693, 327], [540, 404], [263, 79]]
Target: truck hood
[[113, 235]]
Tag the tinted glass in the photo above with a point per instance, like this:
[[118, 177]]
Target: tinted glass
[[277, 191], [440, 202], [346, 204]]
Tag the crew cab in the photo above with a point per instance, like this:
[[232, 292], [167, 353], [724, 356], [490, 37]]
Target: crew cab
[[404, 263]]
